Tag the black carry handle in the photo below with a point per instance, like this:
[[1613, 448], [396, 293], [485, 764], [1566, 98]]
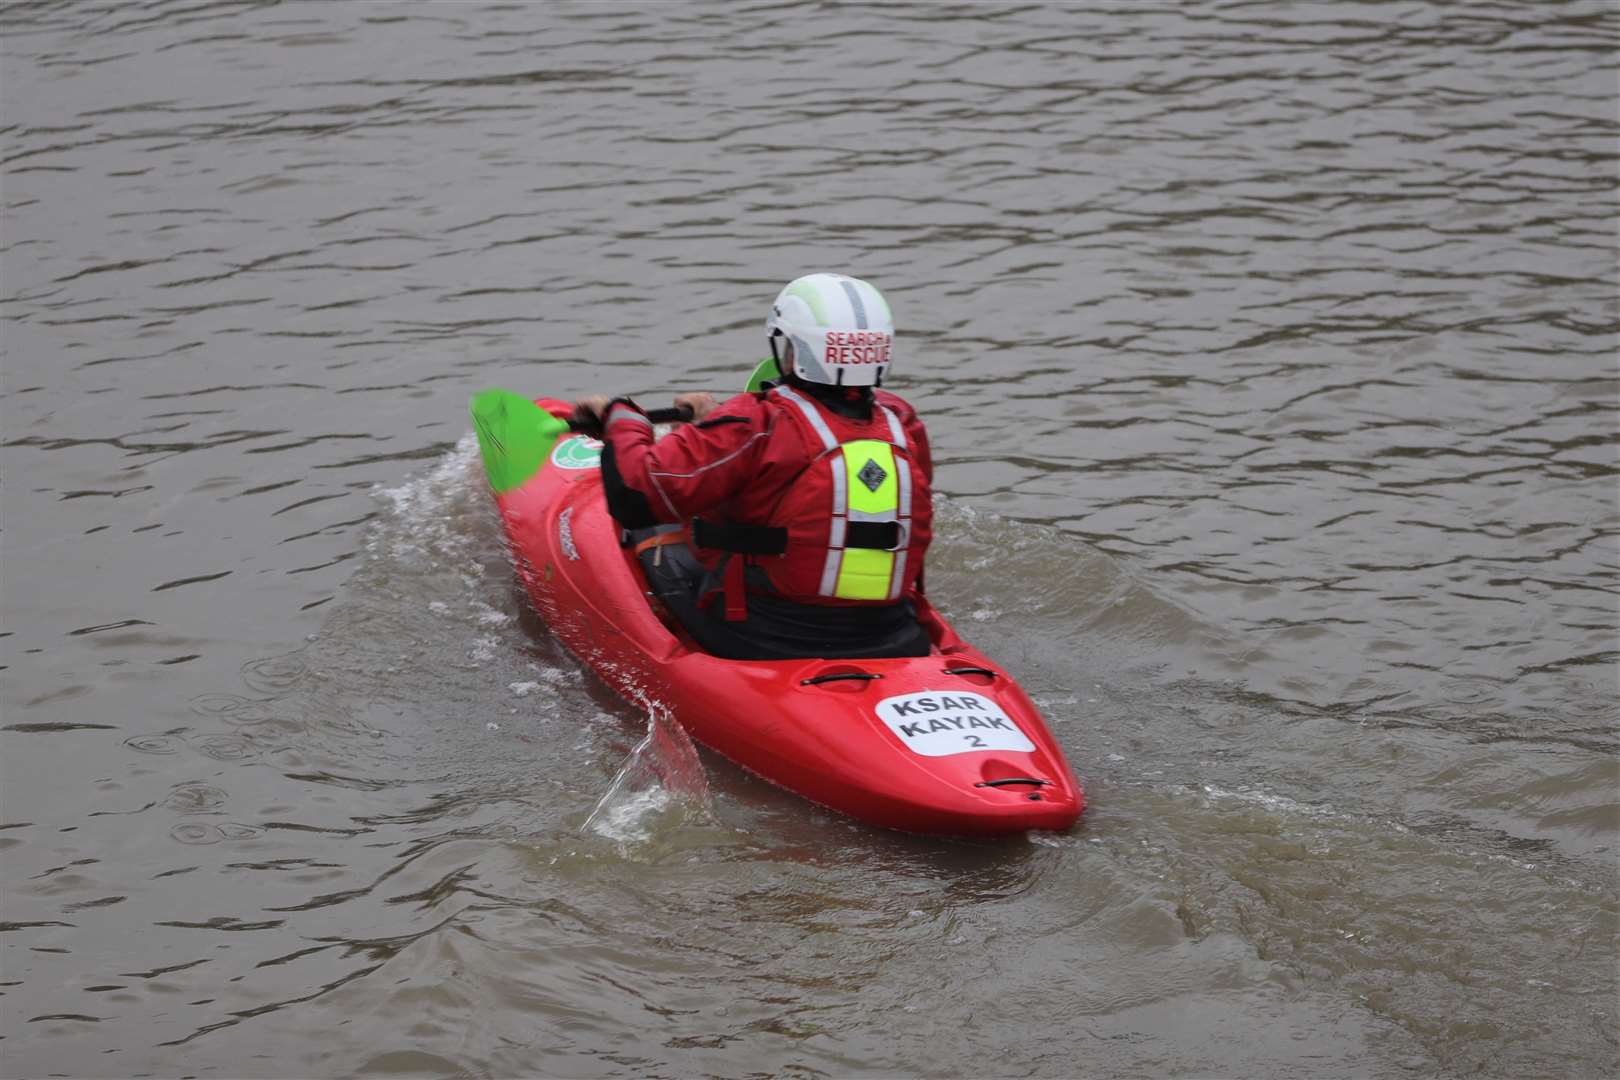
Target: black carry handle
[[675, 414], [858, 676], [1013, 780]]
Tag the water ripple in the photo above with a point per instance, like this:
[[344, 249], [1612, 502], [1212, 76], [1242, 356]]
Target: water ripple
[[1276, 341]]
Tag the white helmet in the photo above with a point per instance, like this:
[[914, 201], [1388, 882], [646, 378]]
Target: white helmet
[[839, 326]]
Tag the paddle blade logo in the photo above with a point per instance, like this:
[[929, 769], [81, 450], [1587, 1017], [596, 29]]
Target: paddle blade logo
[[579, 453], [936, 723]]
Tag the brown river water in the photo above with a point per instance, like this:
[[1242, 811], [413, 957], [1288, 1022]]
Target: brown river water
[[1268, 351]]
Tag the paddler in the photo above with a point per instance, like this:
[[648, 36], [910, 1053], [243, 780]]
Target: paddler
[[790, 521]]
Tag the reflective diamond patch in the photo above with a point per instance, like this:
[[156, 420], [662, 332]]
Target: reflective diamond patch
[[872, 475]]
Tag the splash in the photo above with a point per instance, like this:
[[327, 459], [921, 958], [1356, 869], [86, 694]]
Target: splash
[[660, 785], [434, 509]]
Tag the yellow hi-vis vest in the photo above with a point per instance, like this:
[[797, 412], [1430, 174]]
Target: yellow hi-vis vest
[[871, 484]]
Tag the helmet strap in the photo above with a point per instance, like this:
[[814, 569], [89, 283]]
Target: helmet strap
[[781, 371]]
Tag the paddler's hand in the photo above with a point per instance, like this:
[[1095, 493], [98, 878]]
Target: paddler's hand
[[590, 409], [700, 402]]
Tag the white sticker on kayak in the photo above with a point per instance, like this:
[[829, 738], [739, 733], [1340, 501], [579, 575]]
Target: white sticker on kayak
[[581, 453], [935, 723]]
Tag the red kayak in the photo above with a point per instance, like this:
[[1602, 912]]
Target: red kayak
[[947, 743]]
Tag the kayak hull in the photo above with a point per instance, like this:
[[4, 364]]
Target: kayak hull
[[945, 744]]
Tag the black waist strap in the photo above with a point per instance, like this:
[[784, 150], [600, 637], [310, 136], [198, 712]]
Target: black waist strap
[[772, 539], [743, 539], [882, 535]]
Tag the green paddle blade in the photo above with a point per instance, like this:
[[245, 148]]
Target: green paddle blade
[[765, 372], [514, 434]]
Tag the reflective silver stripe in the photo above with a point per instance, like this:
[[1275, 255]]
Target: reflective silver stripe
[[624, 412], [829, 575], [897, 430], [835, 534], [840, 502], [810, 414], [855, 304], [897, 579]]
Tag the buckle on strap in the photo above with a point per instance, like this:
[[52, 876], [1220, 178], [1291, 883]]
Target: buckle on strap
[[664, 539], [877, 535]]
